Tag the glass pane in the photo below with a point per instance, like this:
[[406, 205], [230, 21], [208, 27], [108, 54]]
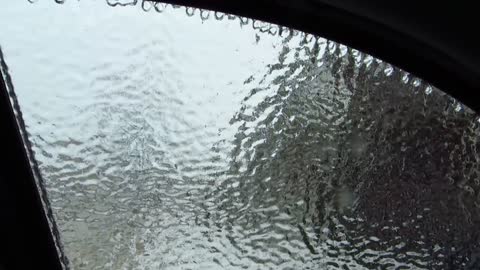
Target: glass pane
[[174, 138]]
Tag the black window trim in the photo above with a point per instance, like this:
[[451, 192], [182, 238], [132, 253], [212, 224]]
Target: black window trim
[[29, 236]]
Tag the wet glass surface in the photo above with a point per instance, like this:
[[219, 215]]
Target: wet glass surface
[[173, 138]]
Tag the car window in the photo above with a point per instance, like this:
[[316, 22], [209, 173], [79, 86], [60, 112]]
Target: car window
[[169, 137]]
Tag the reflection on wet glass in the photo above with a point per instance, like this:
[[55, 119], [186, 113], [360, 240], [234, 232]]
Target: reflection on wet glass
[[174, 138]]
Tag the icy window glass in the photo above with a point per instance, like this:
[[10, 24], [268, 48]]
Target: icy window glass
[[175, 138]]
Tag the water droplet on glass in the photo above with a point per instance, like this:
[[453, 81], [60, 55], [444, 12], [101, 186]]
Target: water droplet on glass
[[332, 47], [159, 7], [204, 14], [343, 50], [219, 15], [243, 20], [190, 11], [273, 30], [428, 90], [417, 82], [147, 5], [388, 70], [368, 60], [260, 25], [458, 107]]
